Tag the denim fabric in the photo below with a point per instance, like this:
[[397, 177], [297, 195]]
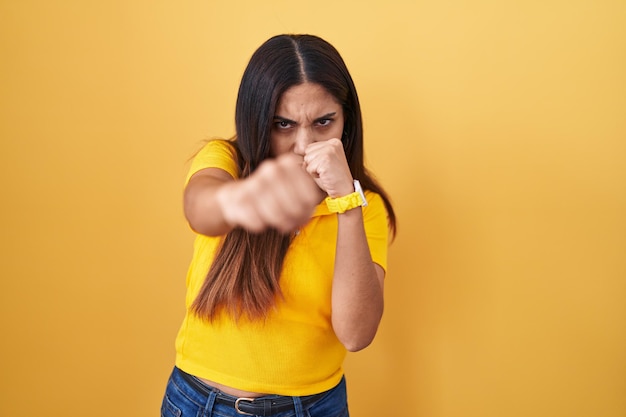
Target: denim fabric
[[182, 400]]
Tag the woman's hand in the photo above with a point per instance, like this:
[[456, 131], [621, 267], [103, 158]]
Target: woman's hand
[[282, 193], [279, 194], [357, 293], [326, 162]]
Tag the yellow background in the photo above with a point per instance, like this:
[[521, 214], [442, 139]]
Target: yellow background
[[498, 127]]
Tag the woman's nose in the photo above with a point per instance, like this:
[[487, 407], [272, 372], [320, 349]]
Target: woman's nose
[[304, 137]]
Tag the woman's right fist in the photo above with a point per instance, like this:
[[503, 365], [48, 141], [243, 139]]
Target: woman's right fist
[[280, 194]]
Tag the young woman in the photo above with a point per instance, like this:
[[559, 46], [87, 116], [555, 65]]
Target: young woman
[[291, 248]]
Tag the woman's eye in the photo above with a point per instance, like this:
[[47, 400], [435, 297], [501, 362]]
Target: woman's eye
[[283, 124], [324, 122]]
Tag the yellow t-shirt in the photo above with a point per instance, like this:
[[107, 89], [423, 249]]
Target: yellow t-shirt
[[295, 351]]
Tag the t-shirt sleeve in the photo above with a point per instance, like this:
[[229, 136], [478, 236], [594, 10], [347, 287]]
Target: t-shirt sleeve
[[215, 154], [376, 228]]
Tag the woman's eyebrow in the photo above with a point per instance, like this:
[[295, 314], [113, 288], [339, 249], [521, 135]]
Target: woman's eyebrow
[[284, 119], [326, 116]]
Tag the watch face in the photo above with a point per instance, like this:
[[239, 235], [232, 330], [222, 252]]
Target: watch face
[[358, 189]]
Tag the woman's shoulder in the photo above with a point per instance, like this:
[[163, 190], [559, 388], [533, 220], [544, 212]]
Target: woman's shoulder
[[218, 145], [372, 196], [216, 153], [217, 149]]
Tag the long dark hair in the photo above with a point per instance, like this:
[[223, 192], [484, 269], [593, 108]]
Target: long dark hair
[[243, 278]]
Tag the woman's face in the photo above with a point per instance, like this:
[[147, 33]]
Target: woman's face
[[305, 113]]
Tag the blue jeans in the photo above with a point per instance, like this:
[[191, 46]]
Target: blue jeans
[[183, 400]]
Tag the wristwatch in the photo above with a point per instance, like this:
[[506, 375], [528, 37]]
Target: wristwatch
[[347, 202]]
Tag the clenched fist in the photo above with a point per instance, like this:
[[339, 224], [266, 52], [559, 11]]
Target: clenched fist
[[279, 194], [326, 162]]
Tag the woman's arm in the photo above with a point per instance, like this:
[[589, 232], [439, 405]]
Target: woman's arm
[[202, 208], [357, 293], [279, 194]]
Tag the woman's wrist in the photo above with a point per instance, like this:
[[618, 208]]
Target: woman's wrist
[[349, 201]]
